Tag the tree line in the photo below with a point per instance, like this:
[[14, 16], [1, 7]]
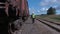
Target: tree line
[[51, 11]]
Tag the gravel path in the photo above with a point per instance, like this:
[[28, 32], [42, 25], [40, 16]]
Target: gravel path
[[36, 28]]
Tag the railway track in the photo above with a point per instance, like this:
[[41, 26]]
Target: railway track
[[52, 25], [52, 22]]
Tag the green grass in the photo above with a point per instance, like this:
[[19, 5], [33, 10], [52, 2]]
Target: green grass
[[55, 18], [41, 16]]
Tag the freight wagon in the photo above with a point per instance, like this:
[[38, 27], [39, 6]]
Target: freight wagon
[[14, 8]]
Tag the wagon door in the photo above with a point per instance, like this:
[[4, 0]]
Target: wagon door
[[12, 11]]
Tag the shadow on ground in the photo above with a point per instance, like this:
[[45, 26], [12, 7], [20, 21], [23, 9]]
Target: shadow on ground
[[4, 21]]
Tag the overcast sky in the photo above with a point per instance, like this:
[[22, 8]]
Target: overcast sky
[[41, 6]]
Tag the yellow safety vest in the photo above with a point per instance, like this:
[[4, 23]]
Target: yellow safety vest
[[33, 16]]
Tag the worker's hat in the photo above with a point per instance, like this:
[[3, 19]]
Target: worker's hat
[[32, 12]]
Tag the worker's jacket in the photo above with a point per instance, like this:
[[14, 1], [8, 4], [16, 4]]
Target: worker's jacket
[[33, 16]]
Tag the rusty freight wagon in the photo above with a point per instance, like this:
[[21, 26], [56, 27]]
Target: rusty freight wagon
[[13, 8], [2, 8]]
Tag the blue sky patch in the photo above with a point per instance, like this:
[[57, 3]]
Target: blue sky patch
[[41, 6]]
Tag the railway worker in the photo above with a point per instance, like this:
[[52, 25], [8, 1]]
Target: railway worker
[[33, 17]]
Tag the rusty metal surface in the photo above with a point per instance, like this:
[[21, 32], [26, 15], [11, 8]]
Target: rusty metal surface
[[21, 7]]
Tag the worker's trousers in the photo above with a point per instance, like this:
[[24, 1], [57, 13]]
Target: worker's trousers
[[33, 20]]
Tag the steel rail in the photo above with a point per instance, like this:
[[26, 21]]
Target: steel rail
[[53, 27]]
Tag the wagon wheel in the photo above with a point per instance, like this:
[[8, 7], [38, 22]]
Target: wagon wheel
[[19, 24]]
